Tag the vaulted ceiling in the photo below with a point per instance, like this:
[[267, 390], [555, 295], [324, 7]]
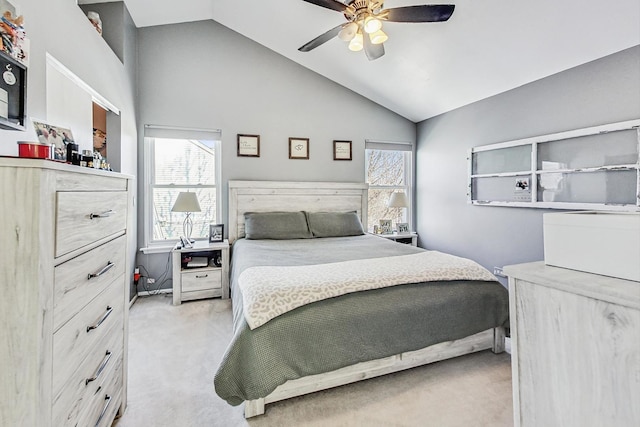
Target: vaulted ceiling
[[485, 48]]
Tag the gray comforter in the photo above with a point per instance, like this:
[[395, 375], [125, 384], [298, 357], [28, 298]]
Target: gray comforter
[[334, 333]]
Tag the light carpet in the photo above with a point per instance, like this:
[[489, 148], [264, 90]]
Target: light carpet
[[174, 352]]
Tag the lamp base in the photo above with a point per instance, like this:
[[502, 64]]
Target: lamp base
[[187, 227]]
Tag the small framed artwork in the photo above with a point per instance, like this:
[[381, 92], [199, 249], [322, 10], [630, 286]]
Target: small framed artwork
[[299, 148], [216, 233], [248, 145], [385, 226], [341, 150], [403, 227]]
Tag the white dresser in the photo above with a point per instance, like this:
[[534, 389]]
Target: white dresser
[[575, 341], [65, 293]]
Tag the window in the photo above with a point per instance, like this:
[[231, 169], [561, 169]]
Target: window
[[388, 169], [176, 161]]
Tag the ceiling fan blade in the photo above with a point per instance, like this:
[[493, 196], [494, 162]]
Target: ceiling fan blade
[[329, 4], [321, 39], [423, 13], [373, 51]]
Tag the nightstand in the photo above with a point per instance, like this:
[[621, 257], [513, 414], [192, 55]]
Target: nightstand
[[406, 238], [201, 271]]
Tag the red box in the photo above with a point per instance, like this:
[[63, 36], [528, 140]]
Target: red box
[[34, 150]]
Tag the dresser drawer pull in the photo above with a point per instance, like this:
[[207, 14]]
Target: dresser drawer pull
[[100, 368], [202, 276], [107, 399], [109, 311], [101, 272], [102, 214]]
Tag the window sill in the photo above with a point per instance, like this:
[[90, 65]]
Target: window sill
[[163, 248], [160, 249]]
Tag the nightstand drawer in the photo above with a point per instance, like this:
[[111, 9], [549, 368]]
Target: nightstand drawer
[[202, 280]]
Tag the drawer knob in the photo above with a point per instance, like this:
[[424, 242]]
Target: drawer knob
[[100, 368], [102, 214], [202, 276], [107, 400], [108, 312], [101, 272]]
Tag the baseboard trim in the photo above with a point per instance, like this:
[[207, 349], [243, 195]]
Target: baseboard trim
[[159, 291]]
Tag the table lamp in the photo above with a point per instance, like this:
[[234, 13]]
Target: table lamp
[[398, 200], [186, 202]]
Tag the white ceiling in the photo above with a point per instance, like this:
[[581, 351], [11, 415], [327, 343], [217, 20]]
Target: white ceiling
[[487, 47]]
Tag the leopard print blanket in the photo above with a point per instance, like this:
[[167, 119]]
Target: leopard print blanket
[[269, 291]]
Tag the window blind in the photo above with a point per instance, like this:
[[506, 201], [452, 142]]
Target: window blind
[[155, 131], [383, 145]]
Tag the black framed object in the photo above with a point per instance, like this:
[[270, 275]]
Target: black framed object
[[342, 150], [248, 145], [13, 93], [216, 233]]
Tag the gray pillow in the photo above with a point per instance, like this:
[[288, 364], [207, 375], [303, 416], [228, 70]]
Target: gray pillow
[[276, 225], [334, 224]]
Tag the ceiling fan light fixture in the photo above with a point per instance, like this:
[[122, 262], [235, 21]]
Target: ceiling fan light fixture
[[372, 24], [378, 37], [348, 32], [357, 43]]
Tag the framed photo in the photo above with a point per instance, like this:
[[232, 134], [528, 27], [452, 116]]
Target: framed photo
[[216, 233], [54, 135], [299, 148], [248, 145], [341, 150], [385, 226], [403, 227]]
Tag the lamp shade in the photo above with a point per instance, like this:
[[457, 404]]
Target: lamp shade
[[357, 43], [186, 202], [378, 37], [348, 32], [398, 200]]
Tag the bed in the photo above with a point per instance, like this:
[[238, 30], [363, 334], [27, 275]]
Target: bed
[[340, 338]]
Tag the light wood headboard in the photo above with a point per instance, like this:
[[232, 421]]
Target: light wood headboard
[[286, 196]]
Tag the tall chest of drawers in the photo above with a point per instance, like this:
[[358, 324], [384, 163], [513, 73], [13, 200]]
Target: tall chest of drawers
[[575, 347], [64, 301]]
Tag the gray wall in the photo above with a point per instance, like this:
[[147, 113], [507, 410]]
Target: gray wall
[[204, 75], [599, 92]]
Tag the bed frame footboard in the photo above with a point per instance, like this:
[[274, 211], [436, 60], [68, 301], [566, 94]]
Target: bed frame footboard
[[490, 339]]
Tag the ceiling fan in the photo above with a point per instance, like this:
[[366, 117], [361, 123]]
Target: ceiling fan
[[363, 28]]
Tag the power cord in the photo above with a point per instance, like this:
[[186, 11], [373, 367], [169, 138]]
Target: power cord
[[160, 281]]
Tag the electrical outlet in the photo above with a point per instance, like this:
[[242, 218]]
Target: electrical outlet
[[497, 271], [151, 280]]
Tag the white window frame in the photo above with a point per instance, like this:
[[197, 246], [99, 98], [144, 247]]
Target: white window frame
[[409, 155], [151, 133], [533, 172]]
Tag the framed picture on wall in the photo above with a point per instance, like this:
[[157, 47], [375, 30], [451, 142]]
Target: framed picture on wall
[[299, 148], [341, 150], [248, 145]]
